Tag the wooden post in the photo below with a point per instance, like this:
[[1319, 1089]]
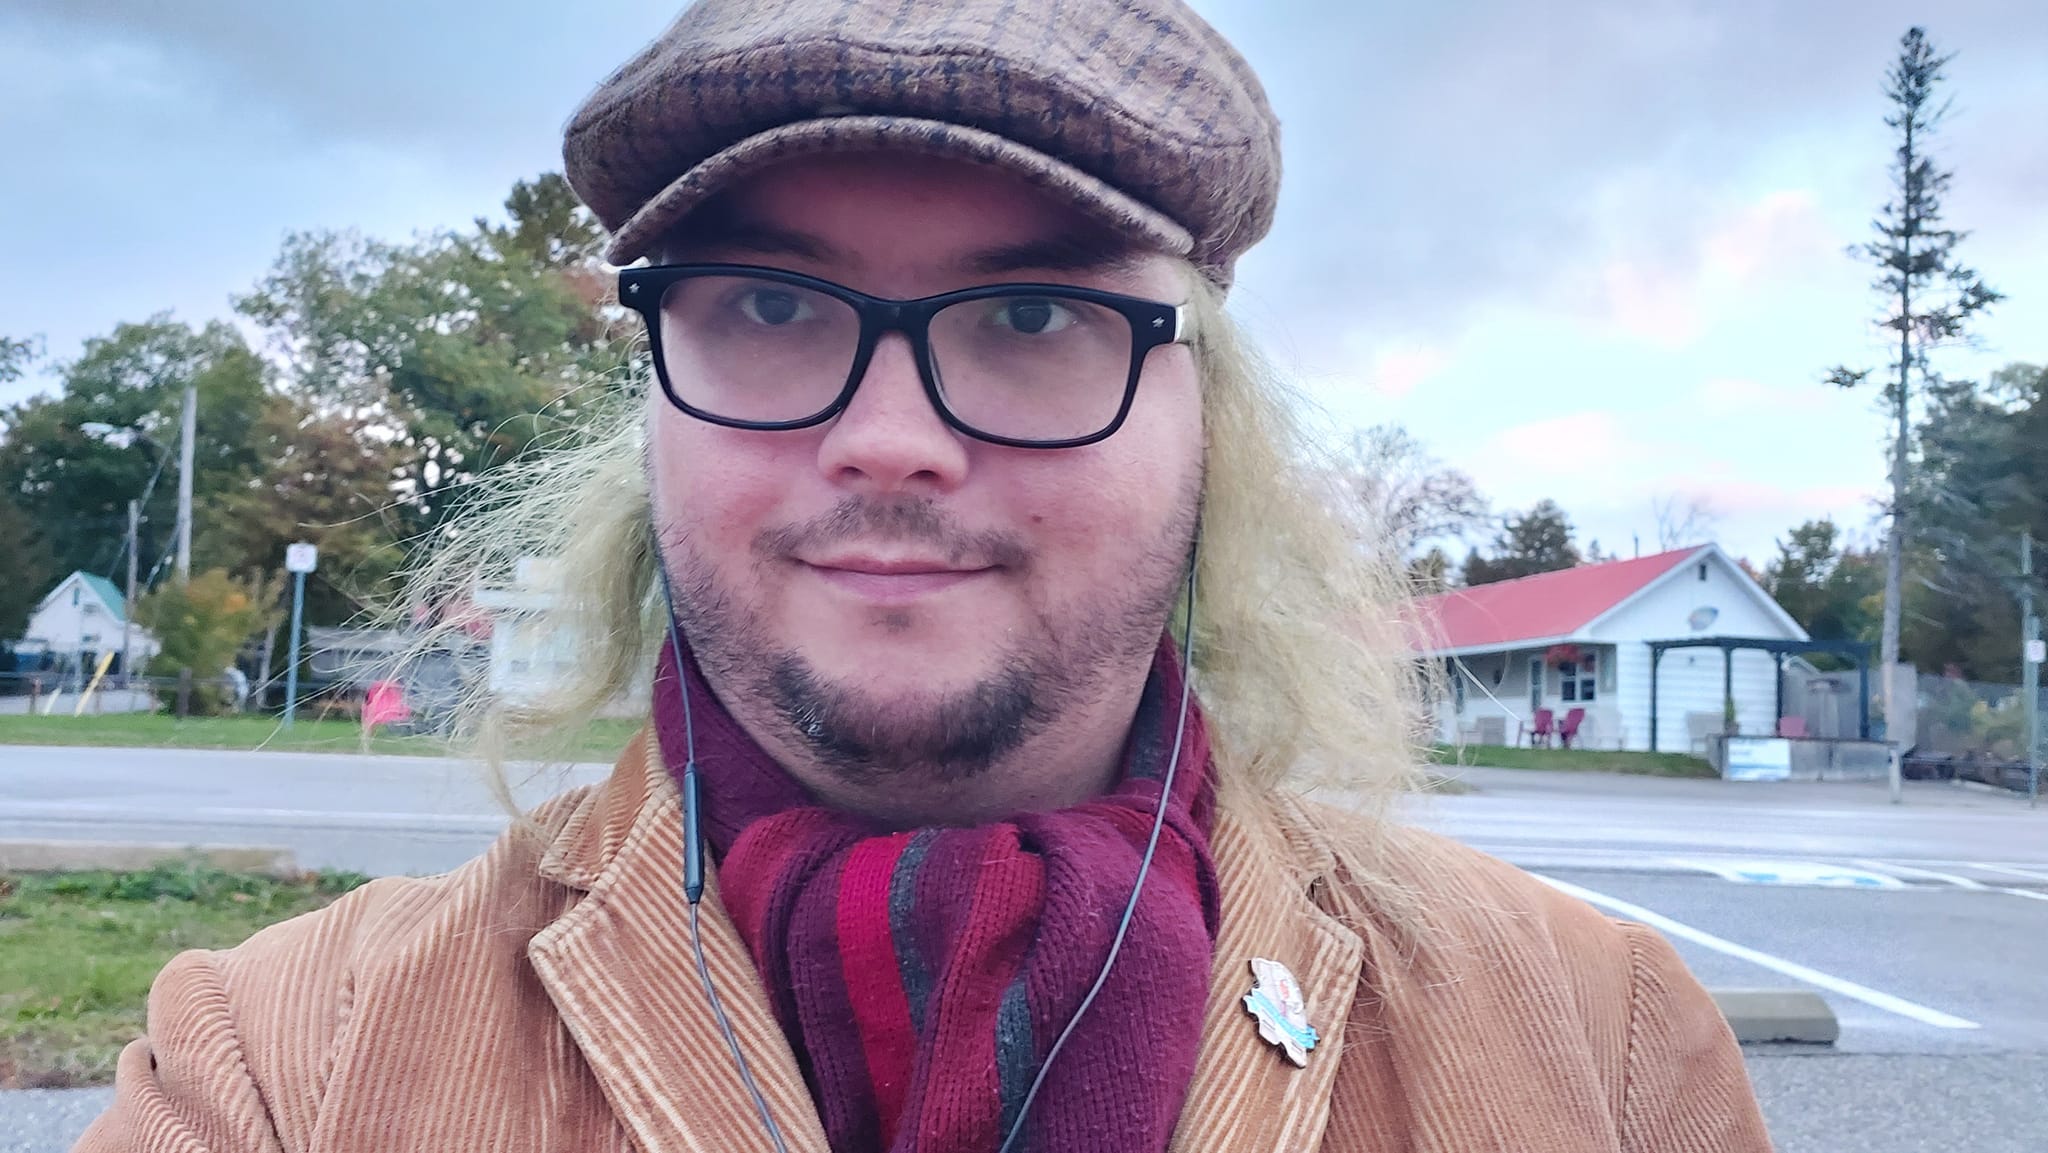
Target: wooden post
[[184, 693]]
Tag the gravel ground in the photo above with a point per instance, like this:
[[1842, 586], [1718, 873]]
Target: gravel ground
[[47, 1120]]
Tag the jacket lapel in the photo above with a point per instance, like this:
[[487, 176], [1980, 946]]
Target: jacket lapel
[[620, 970], [1245, 1094]]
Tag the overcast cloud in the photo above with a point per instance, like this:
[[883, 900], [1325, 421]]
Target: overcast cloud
[[1584, 250]]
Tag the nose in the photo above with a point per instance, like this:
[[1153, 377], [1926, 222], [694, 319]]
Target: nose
[[889, 438]]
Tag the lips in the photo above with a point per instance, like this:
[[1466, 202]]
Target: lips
[[892, 580]]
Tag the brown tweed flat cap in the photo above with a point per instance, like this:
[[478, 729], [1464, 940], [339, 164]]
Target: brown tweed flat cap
[[1136, 110]]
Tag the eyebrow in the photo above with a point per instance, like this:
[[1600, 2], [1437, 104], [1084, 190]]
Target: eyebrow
[[1067, 252]]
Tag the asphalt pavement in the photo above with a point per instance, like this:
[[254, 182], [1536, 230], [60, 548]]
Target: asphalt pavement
[[1923, 925]]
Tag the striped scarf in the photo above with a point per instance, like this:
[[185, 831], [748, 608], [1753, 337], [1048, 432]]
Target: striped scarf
[[921, 976]]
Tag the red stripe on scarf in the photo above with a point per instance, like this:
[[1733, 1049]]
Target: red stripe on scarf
[[1002, 919], [874, 981]]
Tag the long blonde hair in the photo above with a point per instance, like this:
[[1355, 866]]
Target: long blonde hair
[[1302, 657]]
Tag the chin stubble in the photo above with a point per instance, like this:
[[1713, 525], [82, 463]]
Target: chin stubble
[[937, 738]]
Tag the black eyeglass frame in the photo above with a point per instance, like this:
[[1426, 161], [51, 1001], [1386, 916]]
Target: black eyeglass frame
[[1153, 325]]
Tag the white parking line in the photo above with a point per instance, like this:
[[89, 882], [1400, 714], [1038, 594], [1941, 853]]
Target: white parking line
[[1792, 969], [1930, 874], [1951, 878]]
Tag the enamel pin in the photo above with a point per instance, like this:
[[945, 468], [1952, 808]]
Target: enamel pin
[[1275, 1000]]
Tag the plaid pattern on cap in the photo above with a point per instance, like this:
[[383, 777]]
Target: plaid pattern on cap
[[1136, 110]]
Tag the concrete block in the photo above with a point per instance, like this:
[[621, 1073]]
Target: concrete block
[[67, 856], [1760, 1016]]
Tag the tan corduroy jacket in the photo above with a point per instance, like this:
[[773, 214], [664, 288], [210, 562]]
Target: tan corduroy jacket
[[544, 997]]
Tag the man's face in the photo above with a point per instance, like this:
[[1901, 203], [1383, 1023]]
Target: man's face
[[881, 594]]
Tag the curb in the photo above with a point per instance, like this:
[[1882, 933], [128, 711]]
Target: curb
[[65, 856], [1762, 1016]]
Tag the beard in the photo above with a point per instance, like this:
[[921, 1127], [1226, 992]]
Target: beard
[[938, 737]]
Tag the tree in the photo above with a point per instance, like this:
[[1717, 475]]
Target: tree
[[1683, 521], [323, 480], [1982, 480], [27, 568], [202, 624], [1832, 590], [16, 356], [1929, 295], [462, 349], [1536, 541], [1406, 498], [73, 461]]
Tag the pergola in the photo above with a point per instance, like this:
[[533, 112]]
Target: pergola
[[1859, 651]]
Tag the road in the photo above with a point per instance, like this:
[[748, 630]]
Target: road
[[1924, 925]]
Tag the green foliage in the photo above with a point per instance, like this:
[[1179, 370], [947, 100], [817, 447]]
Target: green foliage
[[78, 952], [459, 351], [202, 625], [28, 567], [15, 358], [1532, 542], [1832, 589], [73, 461], [1982, 480]]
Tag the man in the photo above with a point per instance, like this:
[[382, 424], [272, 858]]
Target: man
[[950, 485]]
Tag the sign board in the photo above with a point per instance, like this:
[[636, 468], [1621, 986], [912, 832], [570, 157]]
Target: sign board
[[300, 557], [2037, 652], [1758, 759]]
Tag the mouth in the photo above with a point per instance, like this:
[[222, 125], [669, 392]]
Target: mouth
[[893, 579]]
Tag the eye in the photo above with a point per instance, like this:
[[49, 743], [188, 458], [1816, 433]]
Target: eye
[[1031, 315], [775, 307]]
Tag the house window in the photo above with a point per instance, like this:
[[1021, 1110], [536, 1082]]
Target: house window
[[1580, 679], [1703, 571], [1535, 683]]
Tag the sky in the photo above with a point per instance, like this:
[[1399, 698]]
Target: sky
[[1585, 250]]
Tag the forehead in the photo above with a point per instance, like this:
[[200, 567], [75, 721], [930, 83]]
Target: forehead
[[885, 215]]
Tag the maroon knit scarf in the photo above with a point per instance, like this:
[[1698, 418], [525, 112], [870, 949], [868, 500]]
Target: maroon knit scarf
[[921, 976]]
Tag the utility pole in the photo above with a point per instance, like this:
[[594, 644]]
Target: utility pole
[[185, 450], [2030, 667], [128, 608]]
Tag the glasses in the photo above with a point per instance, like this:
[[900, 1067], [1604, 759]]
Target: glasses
[[1024, 365]]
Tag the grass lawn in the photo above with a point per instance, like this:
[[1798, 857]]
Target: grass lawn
[[600, 742], [1577, 760], [78, 951]]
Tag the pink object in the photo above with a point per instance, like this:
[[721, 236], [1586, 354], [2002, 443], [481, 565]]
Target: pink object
[[1570, 728], [1791, 726], [1540, 732], [385, 704]]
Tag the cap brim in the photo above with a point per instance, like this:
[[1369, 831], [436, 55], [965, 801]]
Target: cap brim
[[853, 134]]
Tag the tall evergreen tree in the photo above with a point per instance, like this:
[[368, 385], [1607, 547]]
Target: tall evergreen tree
[[1929, 295]]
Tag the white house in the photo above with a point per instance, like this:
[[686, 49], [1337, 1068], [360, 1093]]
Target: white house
[[81, 619], [1585, 638]]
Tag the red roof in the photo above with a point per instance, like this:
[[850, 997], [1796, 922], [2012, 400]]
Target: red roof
[[1541, 607]]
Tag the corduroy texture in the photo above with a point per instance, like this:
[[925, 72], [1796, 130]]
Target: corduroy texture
[[1135, 110], [922, 976], [543, 997]]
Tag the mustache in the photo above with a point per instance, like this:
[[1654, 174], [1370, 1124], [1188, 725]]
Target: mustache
[[910, 520]]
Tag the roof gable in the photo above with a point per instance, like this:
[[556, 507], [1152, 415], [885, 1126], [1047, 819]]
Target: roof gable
[[97, 586], [1543, 607]]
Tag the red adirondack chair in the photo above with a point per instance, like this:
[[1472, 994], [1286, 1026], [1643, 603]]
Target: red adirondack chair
[[1540, 732], [1569, 730]]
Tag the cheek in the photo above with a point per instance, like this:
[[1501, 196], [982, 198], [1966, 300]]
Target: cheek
[[1094, 510], [715, 510]]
